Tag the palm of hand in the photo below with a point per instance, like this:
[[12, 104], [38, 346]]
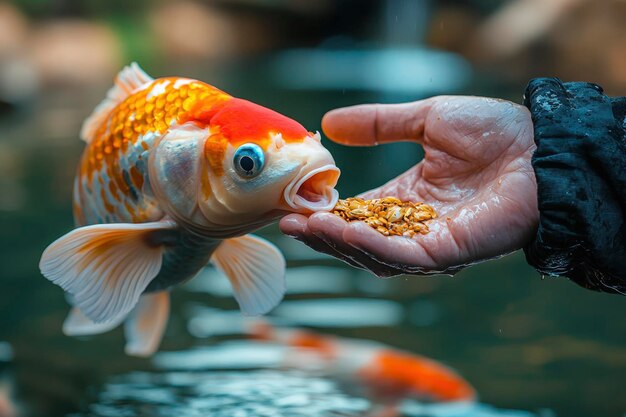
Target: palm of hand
[[476, 173]]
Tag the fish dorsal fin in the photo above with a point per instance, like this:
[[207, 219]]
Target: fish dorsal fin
[[145, 325], [106, 267], [129, 79], [256, 270]]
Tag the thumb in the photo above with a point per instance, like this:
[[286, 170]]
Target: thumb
[[373, 124]]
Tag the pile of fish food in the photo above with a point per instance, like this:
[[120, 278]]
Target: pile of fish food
[[388, 215]]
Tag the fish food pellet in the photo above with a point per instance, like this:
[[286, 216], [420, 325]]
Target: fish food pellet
[[388, 215]]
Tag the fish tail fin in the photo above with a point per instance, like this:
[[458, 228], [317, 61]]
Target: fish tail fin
[[106, 267], [143, 326], [146, 324], [77, 324], [129, 79]]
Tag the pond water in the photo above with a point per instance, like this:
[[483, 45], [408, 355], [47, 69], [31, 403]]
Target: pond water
[[530, 347]]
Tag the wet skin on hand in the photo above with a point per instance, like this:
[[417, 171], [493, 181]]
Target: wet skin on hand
[[476, 173]]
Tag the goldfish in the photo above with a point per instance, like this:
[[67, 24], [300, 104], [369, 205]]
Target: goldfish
[[385, 371], [176, 174]]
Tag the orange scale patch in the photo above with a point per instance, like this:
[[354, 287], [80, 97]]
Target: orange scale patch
[[138, 115], [108, 207], [214, 150], [113, 189], [136, 177]]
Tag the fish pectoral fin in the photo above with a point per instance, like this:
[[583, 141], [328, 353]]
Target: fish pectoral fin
[[106, 267], [256, 270], [77, 324], [146, 323]]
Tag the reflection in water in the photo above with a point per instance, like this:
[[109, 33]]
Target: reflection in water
[[228, 355], [8, 407], [407, 71], [338, 312], [6, 352], [341, 312], [319, 280], [246, 378], [417, 409], [208, 322], [223, 394], [300, 280], [384, 372]]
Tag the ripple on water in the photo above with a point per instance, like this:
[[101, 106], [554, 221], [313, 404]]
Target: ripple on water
[[416, 409], [341, 312], [237, 354], [247, 378], [300, 280], [208, 322], [6, 352], [254, 393], [220, 394]]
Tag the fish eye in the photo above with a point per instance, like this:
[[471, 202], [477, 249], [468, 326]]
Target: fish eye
[[249, 160]]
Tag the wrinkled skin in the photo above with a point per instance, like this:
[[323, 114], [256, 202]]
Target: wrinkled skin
[[476, 173]]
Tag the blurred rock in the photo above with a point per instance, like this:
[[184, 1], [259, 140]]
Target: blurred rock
[[518, 25], [74, 51], [569, 39], [14, 31], [450, 27], [7, 407], [589, 44], [18, 79], [192, 30]]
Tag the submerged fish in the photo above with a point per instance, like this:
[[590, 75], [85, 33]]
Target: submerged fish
[[175, 174], [384, 371]]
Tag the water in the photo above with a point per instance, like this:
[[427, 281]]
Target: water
[[253, 393], [196, 385], [542, 347]]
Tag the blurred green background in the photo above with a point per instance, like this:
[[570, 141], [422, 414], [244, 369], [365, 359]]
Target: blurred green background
[[545, 346]]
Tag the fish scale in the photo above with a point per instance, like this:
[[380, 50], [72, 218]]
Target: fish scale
[[113, 182]]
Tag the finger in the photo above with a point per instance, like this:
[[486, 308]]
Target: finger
[[330, 228], [296, 226], [371, 124]]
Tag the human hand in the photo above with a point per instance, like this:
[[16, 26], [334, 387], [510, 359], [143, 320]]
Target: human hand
[[476, 173]]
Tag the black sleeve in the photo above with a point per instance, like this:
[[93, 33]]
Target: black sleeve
[[580, 166]]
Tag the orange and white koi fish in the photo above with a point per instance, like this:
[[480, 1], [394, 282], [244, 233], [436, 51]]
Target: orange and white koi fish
[[383, 370], [175, 174]]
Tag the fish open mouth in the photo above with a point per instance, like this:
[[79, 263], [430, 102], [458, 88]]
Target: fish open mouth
[[314, 191]]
